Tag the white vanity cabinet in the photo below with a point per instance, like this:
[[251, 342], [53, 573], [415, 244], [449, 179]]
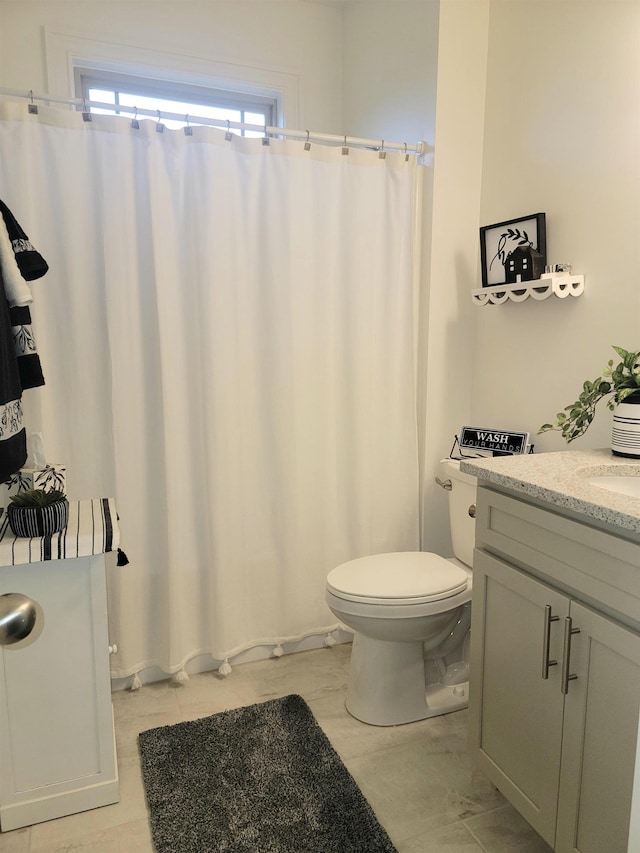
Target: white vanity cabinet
[[555, 689], [57, 748]]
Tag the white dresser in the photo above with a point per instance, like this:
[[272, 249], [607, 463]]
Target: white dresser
[[57, 750]]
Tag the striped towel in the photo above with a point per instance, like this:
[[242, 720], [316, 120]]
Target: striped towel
[[92, 529]]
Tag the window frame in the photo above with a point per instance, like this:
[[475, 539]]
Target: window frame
[[86, 78]]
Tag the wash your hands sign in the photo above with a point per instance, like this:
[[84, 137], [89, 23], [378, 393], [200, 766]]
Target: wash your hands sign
[[496, 441]]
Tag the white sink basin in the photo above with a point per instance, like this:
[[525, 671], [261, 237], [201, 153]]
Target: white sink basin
[[621, 485]]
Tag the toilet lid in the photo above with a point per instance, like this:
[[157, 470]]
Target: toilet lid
[[411, 577]]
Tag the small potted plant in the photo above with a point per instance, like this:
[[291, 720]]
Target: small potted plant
[[621, 384], [36, 512]]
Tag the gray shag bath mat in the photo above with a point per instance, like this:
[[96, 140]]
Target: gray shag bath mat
[[260, 779]]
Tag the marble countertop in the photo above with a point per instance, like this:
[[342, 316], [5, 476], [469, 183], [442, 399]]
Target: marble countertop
[[560, 479]]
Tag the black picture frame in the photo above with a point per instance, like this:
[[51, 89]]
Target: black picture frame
[[514, 250]]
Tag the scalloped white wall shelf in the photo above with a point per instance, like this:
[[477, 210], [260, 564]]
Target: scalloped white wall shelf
[[541, 288]]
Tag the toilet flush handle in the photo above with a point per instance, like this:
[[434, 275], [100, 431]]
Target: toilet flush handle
[[444, 484]]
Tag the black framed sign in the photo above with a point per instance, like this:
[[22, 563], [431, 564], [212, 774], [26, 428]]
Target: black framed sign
[[513, 251], [497, 441]]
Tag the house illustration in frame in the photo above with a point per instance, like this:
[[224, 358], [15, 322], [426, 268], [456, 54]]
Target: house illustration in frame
[[513, 251]]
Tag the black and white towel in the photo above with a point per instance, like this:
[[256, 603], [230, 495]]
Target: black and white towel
[[13, 437], [29, 365], [30, 262], [29, 265], [16, 289]]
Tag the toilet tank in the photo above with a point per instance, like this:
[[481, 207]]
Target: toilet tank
[[462, 496]]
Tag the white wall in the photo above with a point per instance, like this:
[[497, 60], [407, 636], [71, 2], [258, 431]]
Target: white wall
[[366, 67], [301, 38], [562, 135], [389, 69]]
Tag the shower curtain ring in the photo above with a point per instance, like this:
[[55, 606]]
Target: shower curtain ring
[[32, 108], [188, 131], [382, 154], [135, 124], [265, 138], [86, 115], [307, 144], [406, 153], [345, 148], [228, 135], [159, 125]]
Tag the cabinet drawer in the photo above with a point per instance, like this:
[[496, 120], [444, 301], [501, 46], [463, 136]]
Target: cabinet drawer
[[601, 568]]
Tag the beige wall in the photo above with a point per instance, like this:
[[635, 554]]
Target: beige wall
[[561, 119], [562, 135], [450, 347]]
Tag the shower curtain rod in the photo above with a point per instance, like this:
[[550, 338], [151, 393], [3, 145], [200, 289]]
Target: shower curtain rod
[[418, 149]]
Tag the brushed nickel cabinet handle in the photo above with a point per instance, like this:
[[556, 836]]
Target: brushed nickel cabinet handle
[[569, 631], [546, 641]]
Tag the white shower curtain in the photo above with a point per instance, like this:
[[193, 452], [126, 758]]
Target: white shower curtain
[[227, 333]]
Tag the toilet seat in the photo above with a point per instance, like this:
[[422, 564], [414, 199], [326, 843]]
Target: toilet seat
[[398, 578]]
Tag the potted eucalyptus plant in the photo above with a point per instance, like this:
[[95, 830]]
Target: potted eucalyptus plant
[[620, 383], [36, 512]]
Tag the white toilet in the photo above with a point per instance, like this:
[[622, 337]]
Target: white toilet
[[410, 612]]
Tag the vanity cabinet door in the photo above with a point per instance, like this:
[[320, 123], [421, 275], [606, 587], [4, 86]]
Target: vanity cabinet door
[[57, 749], [516, 715], [600, 732]]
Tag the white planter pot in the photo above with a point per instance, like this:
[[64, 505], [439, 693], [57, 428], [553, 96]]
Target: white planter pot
[[625, 438]]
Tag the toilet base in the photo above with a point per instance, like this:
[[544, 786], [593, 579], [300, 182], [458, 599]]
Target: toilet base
[[445, 698], [387, 685]]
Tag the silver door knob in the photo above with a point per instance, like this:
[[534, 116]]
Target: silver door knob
[[17, 617], [472, 511]]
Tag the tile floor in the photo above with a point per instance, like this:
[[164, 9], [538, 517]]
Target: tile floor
[[418, 778]]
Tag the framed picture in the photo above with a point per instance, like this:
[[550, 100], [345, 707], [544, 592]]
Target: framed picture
[[513, 251]]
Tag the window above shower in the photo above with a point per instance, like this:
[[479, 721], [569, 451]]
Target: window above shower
[[130, 93]]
